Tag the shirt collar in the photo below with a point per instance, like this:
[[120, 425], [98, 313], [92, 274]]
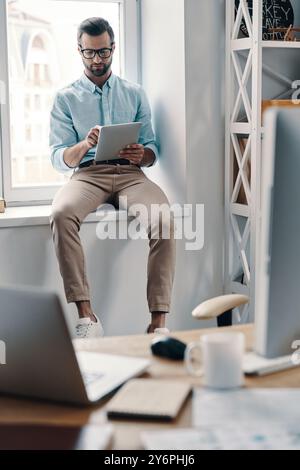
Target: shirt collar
[[89, 85]]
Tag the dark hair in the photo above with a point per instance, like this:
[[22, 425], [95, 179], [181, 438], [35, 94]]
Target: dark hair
[[95, 27]]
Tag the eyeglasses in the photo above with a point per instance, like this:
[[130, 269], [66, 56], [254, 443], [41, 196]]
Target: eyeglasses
[[104, 53]]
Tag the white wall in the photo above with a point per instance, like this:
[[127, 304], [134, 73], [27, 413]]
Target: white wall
[[204, 46], [185, 86], [116, 269], [164, 78], [182, 73]]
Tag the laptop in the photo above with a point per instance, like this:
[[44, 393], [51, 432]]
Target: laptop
[[40, 359]]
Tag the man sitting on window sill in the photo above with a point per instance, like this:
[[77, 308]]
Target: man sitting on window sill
[[100, 98]]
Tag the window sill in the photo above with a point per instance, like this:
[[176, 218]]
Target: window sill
[[39, 215], [30, 216]]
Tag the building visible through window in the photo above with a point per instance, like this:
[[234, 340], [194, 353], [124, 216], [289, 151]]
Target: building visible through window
[[42, 59]]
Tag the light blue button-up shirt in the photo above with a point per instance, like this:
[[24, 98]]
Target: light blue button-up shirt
[[82, 105]]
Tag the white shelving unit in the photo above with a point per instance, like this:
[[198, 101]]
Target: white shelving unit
[[244, 74]]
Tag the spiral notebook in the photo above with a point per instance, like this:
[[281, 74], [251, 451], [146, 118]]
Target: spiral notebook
[[149, 399]]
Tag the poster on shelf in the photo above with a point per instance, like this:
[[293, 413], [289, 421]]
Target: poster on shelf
[[276, 14]]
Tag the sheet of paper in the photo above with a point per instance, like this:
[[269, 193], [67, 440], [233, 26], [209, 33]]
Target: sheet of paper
[[227, 437], [247, 419], [247, 406], [96, 437]]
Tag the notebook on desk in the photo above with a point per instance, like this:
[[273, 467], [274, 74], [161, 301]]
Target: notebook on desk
[[149, 399]]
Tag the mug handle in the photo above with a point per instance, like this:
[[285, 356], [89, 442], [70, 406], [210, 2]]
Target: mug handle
[[196, 372]]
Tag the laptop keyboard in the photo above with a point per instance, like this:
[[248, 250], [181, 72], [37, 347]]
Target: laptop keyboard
[[89, 377]]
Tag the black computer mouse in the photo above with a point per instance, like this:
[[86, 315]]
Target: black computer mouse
[[170, 348]]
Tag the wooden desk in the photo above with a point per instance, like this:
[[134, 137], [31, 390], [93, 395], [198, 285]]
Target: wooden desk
[[127, 433]]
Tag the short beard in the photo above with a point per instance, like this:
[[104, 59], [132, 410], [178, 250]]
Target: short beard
[[99, 73]]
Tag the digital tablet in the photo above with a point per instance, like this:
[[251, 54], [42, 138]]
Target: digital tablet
[[116, 137]]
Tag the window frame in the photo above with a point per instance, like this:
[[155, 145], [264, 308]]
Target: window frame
[[130, 67]]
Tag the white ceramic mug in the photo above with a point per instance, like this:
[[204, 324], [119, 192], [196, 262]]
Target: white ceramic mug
[[221, 360]]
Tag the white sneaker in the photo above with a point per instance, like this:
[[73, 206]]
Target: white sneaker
[[86, 328], [161, 331]]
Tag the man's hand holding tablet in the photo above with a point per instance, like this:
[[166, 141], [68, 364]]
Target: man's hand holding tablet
[[93, 136], [134, 153], [117, 141]]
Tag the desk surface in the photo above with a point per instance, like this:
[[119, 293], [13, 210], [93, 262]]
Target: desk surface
[[127, 433]]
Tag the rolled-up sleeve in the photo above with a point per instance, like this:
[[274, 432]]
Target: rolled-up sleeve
[[147, 137], [62, 133]]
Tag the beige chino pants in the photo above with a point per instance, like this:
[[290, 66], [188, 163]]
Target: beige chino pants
[[87, 189]]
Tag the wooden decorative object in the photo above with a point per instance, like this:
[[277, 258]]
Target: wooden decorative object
[[290, 33], [2, 206], [266, 104]]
